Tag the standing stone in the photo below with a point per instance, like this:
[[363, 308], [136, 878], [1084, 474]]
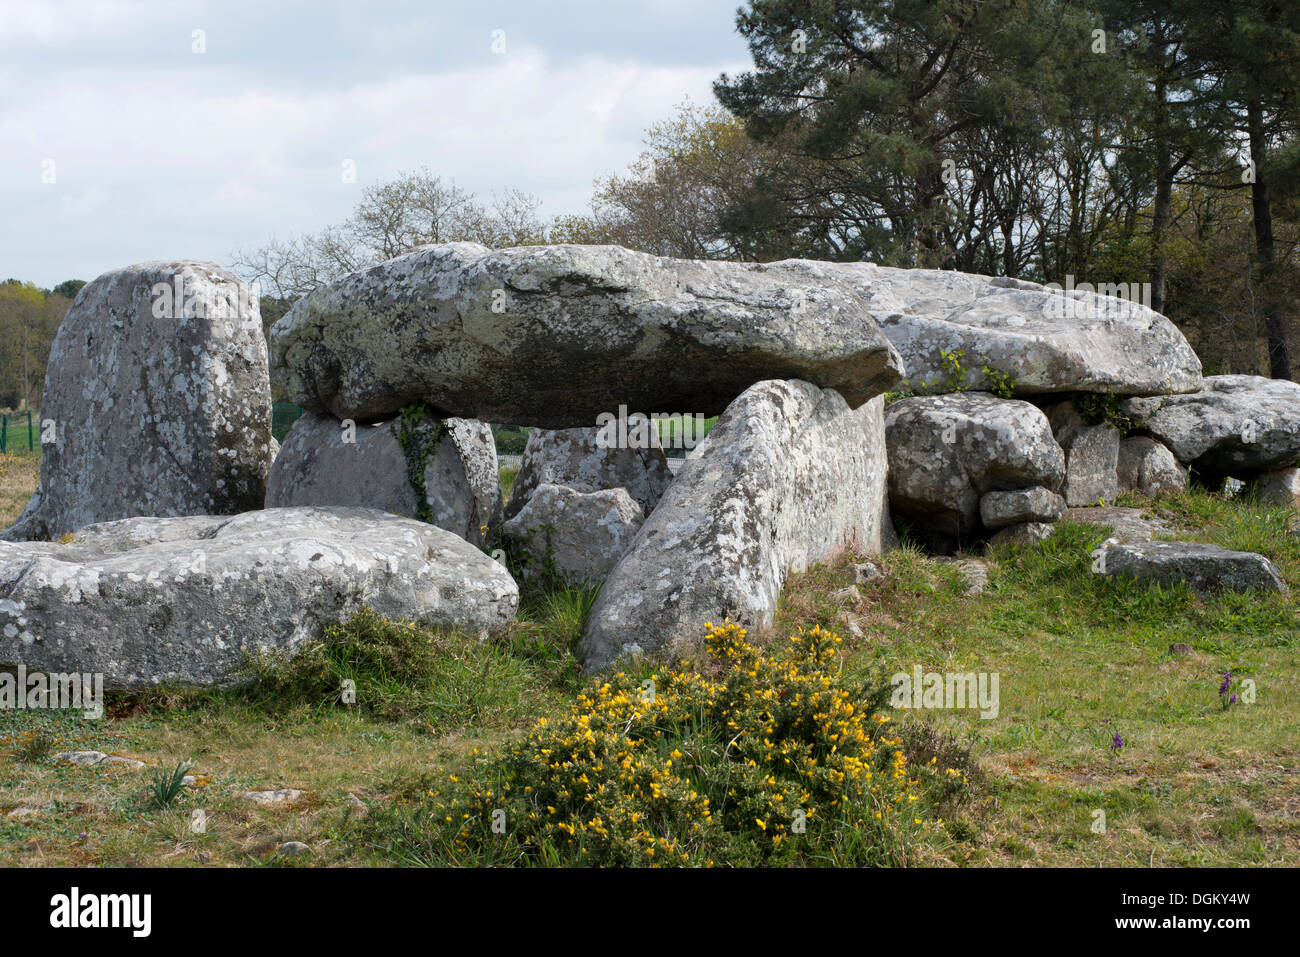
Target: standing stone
[[946, 451], [156, 401], [576, 458], [581, 535], [1281, 488], [1146, 466], [144, 601], [328, 462], [1091, 456], [555, 336], [789, 476]]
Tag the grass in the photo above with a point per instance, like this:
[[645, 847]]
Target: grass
[[1079, 657], [20, 474]]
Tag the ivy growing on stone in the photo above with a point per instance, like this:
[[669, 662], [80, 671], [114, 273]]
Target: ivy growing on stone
[[418, 433]]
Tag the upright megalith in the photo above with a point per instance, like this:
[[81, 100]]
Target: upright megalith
[[790, 476], [556, 336], [157, 401]]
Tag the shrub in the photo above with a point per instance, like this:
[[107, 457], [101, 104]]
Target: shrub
[[753, 758]]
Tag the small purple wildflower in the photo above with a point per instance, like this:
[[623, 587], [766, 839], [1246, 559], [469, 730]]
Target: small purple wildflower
[[1116, 742]]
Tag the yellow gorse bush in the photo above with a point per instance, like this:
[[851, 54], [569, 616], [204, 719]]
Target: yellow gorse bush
[[751, 756]]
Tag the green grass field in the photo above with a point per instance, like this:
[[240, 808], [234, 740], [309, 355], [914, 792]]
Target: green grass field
[[1080, 660]]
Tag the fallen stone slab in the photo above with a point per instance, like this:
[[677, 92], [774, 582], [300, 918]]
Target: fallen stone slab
[[1043, 340], [156, 401], [145, 601], [947, 451], [1147, 466], [790, 476], [1205, 568], [1237, 425], [83, 758], [555, 336], [327, 462], [1020, 506], [578, 536], [1128, 524], [576, 459]]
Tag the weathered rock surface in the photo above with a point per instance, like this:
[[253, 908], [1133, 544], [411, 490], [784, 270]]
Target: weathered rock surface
[[1205, 568], [553, 336], [1280, 488], [1028, 533], [1044, 340], [325, 462], [1237, 425], [789, 476], [1127, 524], [145, 601], [1147, 466], [1037, 504], [947, 451], [583, 533], [156, 403], [575, 458], [1091, 456]]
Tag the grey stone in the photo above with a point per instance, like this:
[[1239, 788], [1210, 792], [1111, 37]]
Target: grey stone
[[1280, 488], [554, 336], [576, 458], [866, 572], [328, 462], [145, 601], [1205, 568], [1044, 340], [293, 849], [84, 758], [947, 451], [1036, 504], [583, 534], [153, 405], [1128, 524], [1147, 466], [1027, 533], [273, 795], [790, 476], [1237, 425], [1180, 649], [1091, 456]]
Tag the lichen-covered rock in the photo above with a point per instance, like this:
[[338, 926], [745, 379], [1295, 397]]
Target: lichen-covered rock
[[575, 458], [580, 535], [1043, 340], [1091, 456], [1147, 466], [145, 601], [947, 451], [1018, 506], [1027, 533], [1280, 488], [554, 336], [789, 476], [1205, 568], [328, 462], [156, 401], [1237, 425]]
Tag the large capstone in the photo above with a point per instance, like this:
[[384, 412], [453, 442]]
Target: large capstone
[[327, 462], [948, 451], [144, 601], [1034, 338], [556, 336], [789, 476], [1238, 425], [156, 401]]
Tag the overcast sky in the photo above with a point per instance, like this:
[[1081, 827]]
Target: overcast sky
[[157, 151]]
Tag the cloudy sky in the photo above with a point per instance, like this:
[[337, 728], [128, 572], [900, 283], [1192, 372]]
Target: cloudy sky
[[156, 151]]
